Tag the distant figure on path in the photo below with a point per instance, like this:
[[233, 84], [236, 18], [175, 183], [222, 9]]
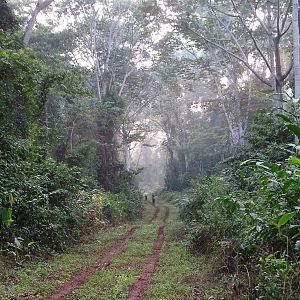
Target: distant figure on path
[[153, 200], [146, 198]]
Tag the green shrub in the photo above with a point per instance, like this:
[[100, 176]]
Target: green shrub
[[209, 218], [40, 194]]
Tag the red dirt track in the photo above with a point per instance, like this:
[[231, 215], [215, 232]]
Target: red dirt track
[[144, 279], [78, 279]]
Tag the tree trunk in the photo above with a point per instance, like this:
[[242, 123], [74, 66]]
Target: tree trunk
[[296, 49], [30, 25]]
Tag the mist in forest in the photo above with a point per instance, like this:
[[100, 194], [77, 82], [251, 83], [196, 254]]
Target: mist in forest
[[151, 157]]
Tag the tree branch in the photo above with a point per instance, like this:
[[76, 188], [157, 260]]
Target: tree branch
[[253, 38], [31, 22], [285, 18], [245, 62], [254, 9]]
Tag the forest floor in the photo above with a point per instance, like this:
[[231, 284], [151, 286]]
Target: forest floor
[[144, 260]]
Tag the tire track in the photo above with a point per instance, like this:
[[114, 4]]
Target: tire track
[[80, 278], [142, 282]]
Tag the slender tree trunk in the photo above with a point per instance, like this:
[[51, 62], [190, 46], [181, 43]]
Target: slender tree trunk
[[296, 56], [271, 54], [30, 25], [296, 48], [233, 115]]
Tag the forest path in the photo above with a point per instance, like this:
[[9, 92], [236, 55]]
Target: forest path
[[145, 260]]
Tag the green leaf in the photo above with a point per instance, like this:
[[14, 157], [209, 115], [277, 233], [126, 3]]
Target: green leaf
[[295, 129], [30, 244], [294, 160], [284, 117], [6, 216], [270, 256], [274, 168], [285, 218], [281, 174], [287, 184]]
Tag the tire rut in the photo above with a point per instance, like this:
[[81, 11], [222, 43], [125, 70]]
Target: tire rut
[[80, 278], [142, 282]]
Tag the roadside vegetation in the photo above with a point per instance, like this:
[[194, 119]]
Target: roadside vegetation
[[52, 192], [247, 213]]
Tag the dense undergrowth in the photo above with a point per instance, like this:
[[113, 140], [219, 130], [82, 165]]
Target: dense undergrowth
[[48, 201], [248, 214], [46, 205]]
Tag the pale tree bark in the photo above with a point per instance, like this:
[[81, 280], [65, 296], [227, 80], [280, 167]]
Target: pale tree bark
[[233, 117], [72, 135], [116, 41], [126, 153], [126, 147], [296, 56], [231, 101], [296, 49], [41, 5], [104, 47], [93, 48], [274, 29]]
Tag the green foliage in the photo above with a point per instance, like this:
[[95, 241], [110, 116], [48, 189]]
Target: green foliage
[[109, 112], [266, 139], [44, 203], [110, 172], [6, 212], [114, 207], [7, 18], [48, 113], [134, 202], [255, 209], [208, 216], [37, 195], [23, 84], [275, 279]]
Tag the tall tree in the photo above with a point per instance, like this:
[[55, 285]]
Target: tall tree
[[41, 5], [252, 32], [117, 40]]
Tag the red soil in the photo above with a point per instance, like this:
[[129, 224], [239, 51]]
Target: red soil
[[78, 279], [144, 279]]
